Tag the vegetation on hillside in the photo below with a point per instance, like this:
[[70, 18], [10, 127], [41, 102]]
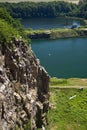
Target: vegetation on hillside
[[46, 9], [55, 82], [9, 28], [68, 109]]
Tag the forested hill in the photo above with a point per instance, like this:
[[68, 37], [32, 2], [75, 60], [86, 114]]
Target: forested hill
[[46, 9], [16, 1]]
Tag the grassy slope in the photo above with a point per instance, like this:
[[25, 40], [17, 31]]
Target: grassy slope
[[63, 33], [68, 114], [68, 82]]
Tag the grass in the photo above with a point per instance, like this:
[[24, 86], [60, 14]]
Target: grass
[[54, 33], [32, 32], [58, 82], [63, 33], [66, 114], [68, 82]]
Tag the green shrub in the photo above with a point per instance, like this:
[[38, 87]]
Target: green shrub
[[55, 81], [7, 32], [16, 128], [27, 126], [10, 27]]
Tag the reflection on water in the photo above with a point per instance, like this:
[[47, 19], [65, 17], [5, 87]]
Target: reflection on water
[[48, 23]]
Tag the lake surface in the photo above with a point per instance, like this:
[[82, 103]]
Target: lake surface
[[63, 58], [48, 23]]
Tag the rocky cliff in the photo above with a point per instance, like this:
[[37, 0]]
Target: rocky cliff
[[24, 88]]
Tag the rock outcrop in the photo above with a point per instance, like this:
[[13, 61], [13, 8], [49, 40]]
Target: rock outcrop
[[24, 88]]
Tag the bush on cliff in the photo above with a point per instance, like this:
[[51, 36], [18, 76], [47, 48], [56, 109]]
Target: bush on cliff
[[9, 27], [6, 32]]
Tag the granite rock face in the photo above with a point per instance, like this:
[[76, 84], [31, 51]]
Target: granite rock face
[[24, 88]]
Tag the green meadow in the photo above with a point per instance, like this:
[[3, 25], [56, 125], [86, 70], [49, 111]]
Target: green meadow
[[68, 106], [68, 109]]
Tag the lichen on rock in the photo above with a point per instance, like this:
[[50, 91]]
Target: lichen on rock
[[24, 88]]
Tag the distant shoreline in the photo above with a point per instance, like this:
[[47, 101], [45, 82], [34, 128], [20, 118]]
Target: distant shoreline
[[16, 1], [56, 33]]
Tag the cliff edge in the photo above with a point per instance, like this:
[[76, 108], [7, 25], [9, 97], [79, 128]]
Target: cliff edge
[[24, 88]]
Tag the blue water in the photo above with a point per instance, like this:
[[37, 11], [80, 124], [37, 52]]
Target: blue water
[[63, 58], [48, 23]]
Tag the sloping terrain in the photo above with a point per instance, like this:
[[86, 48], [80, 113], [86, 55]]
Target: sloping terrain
[[68, 109]]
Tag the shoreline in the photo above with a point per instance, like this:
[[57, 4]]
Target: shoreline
[[17, 1], [57, 33]]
